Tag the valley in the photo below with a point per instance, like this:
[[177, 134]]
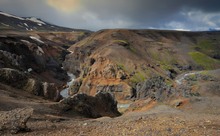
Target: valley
[[61, 81]]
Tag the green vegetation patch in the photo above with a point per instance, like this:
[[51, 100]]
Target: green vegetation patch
[[121, 66], [126, 45], [204, 60], [209, 47], [120, 41], [138, 77]]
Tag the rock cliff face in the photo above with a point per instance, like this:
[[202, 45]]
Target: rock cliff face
[[32, 61], [20, 80], [127, 62], [37, 53]]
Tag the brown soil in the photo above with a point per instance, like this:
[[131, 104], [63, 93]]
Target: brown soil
[[154, 119]]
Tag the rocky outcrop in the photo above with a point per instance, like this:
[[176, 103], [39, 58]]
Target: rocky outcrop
[[50, 91], [201, 83], [110, 88], [23, 53], [13, 77], [20, 80], [153, 88], [74, 87], [97, 70], [103, 104], [15, 121], [6, 57]]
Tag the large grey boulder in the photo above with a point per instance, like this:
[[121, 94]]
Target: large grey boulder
[[103, 104]]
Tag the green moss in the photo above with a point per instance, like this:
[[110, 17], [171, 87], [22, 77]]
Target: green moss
[[120, 41], [205, 72], [121, 66], [126, 45], [169, 82], [204, 60], [138, 77], [192, 77], [155, 55], [166, 66], [165, 57], [208, 47], [132, 49]]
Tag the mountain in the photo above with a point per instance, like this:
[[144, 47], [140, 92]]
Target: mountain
[[9, 21]]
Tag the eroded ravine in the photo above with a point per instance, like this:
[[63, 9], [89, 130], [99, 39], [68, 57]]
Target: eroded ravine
[[64, 92]]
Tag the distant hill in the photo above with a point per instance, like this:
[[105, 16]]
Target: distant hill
[[119, 60]]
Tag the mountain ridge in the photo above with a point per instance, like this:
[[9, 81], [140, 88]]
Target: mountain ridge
[[9, 21]]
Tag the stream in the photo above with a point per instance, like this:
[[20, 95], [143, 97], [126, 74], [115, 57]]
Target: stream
[[126, 106], [180, 79], [64, 92]]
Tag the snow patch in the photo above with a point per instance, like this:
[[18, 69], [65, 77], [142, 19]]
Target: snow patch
[[40, 49], [9, 15], [36, 39], [39, 22], [20, 25], [29, 70], [3, 36], [5, 24], [25, 41], [71, 52], [26, 24]]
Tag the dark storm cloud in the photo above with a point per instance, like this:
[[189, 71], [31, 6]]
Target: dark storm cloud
[[151, 13], [99, 14]]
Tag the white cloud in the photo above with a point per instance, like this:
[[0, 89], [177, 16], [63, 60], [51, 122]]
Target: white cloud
[[203, 20], [94, 20]]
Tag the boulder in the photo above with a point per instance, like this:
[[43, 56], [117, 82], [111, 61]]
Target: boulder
[[15, 120], [103, 104]]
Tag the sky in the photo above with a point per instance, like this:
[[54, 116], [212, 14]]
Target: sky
[[192, 15]]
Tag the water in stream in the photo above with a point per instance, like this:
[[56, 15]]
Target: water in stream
[[180, 79], [64, 92]]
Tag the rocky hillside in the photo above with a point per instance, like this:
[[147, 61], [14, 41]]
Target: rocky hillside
[[36, 54], [135, 64]]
